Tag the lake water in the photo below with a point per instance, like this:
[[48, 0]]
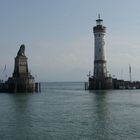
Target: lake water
[[65, 111]]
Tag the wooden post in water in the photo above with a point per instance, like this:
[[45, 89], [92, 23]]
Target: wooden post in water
[[37, 87], [86, 85]]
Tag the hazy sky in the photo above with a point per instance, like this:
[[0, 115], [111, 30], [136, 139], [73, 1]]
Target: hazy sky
[[59, 40]]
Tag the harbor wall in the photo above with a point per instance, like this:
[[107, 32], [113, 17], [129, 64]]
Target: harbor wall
[[109, 83]]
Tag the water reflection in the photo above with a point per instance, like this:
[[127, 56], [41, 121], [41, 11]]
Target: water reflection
[[22, 116], [101, 114]]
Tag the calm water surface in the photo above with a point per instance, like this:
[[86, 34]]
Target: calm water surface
[[65, 111]]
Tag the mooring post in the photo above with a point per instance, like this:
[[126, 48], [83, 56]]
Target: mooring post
[[37, 87]]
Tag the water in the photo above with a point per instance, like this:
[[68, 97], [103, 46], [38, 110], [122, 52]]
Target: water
[[65, 111]]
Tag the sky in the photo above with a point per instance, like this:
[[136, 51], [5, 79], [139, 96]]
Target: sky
[[59, 38]]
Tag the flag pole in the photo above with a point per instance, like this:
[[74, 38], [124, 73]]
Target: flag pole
[[130, 72]]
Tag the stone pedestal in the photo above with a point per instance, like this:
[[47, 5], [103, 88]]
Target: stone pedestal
[[21, 67]]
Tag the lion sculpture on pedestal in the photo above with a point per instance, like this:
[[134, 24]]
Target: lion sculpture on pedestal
[[21, 51]]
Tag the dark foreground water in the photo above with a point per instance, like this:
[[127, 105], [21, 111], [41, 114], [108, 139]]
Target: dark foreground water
[[65, 111]]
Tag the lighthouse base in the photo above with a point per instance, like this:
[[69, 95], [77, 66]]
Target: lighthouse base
[[99, 84], [109, 83]]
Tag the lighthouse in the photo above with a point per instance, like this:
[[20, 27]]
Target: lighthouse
[[100, 67], [100, 79]]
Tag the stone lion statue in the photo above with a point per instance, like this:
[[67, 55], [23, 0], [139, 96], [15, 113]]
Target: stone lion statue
[[21, 51]]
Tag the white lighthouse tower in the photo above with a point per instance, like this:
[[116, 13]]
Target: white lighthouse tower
[[100, 68], [100, 80]]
